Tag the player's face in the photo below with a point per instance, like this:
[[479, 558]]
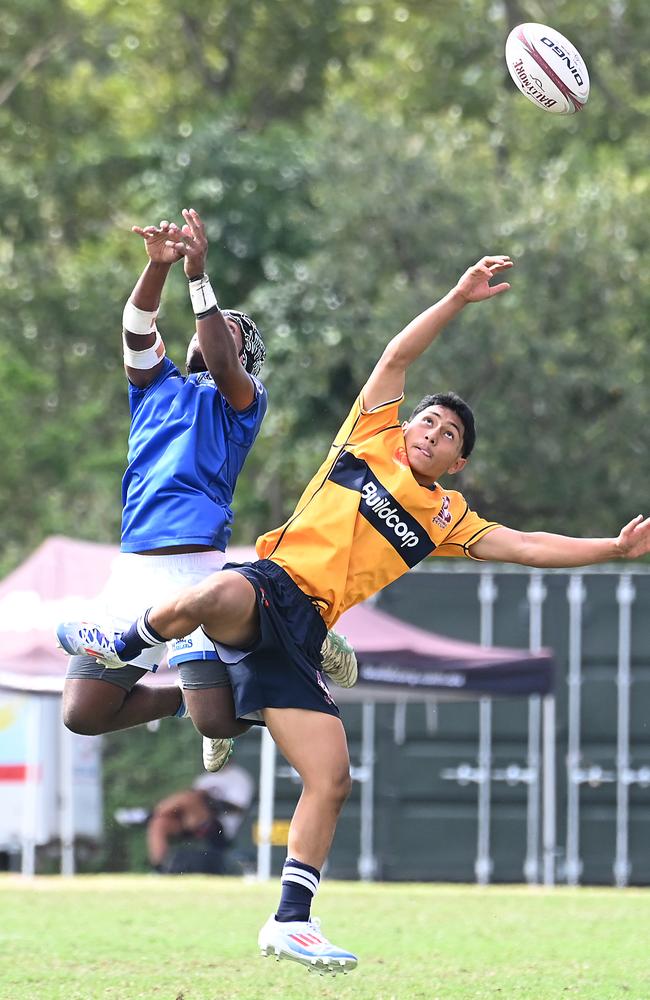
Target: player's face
[[434, 442]]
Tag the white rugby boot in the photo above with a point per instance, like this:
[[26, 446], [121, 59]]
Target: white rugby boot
[[302, 941], [87, 638], [339, 660], [216, 753]]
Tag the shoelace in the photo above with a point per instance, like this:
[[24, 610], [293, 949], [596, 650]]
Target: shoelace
[[95, 635]]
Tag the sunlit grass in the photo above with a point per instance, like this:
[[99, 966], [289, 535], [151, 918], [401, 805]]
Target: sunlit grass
[[194, 938]]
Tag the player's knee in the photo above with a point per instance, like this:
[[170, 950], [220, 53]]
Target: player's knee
[[218, 598], [202, 599], [82, 722], [334, 787], [218, 728], [212, 709], [343, 787], [90, 716]]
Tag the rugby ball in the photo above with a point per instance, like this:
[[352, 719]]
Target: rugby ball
[[547, 68]]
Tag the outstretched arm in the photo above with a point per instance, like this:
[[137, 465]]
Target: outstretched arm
[[547, 551], [387, 379], [145, 300], [215, 337]]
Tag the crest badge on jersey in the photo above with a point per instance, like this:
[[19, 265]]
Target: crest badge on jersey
[[443, 518], [401, 458]]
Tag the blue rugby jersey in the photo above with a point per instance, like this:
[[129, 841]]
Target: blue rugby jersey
[[186, 448]]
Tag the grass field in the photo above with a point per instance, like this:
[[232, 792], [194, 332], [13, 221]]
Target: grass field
[[194, 938]]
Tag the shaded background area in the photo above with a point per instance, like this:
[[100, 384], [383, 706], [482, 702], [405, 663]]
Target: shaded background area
[[351, 159]]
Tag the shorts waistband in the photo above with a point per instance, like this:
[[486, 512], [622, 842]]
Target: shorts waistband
[[187, 560], [274, 570]]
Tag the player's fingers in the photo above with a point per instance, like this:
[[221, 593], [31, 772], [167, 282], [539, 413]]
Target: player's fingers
[[190, 218], [198, 231], [178, 247], [497, 289], [196, 219], [636, 524], [500, 258]]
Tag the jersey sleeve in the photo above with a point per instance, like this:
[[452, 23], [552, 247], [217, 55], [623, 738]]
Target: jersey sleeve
[[467, 531], [361, 424], [243, 425], [137, 395]]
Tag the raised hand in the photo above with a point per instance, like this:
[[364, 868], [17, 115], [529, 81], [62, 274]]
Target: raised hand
[[191, 243], [474, 286], [634, 539], [159, 241]]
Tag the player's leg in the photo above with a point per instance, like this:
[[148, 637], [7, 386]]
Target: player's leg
[[224, 604], [101, 700], [209, 698], [206, 686], [314, 743], [213, 711]]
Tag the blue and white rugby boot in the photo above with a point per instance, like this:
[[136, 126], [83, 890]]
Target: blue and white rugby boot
[[302, 941], [88, 639]]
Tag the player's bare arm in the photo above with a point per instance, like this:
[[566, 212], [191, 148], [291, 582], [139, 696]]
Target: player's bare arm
[[544, 550], [145, 298], [388, 377], [220, 342]]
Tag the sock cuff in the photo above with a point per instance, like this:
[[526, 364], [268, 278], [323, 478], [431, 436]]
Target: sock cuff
[[300, 873], [146, 631], [301, 864]]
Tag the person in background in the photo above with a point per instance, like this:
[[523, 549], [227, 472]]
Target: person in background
[[208, 816]]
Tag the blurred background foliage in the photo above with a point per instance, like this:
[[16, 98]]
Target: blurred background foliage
[[351, 160]]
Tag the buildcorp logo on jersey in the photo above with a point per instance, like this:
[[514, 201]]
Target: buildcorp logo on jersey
[[384, 510], [380, 508]]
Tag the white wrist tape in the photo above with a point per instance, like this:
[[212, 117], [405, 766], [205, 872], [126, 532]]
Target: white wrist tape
[[148, 358], [138, 320], [202, 296]]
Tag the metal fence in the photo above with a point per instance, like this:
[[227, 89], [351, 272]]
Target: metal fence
[[587, 749]]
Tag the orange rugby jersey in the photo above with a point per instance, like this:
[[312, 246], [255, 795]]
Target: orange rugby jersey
[[363, 520]]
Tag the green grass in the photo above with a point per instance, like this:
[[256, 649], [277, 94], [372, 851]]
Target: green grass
[[194, 938]]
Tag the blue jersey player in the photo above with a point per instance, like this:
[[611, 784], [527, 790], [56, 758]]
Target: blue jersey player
[[189, 438]]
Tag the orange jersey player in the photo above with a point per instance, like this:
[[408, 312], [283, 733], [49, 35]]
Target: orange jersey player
[[364, 519]]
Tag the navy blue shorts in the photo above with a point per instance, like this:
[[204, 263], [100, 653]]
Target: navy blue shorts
[[283, 670]]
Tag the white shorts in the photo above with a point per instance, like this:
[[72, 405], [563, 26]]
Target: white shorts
[[137, 582]]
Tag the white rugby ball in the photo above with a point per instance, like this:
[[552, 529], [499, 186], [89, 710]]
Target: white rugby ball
[[547, 68]]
